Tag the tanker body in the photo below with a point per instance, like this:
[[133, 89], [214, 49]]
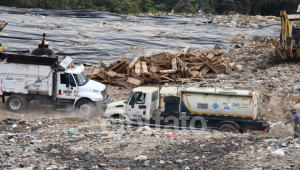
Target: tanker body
[[226, 109]]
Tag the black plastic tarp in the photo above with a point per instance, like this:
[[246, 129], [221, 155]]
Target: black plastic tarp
[[87, 39]]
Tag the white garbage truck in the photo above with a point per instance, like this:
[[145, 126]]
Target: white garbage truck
[[46, 80], [232, 107]]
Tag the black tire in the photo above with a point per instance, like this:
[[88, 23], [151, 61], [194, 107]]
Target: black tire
[[171, 123], [228, 128], [29, 99], [16, 103], [85, 108], [117, 116]]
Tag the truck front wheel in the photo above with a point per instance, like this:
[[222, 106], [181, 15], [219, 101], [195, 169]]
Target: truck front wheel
[[227, 128], [86, 108], [16, 103]]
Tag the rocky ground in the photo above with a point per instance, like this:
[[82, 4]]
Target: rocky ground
[[78, 143]]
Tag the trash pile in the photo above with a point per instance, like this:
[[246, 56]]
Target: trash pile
[[36, 16], [164, 67], [243, 21], [252, 52], [49, 27], [130, 18], [95, 144]]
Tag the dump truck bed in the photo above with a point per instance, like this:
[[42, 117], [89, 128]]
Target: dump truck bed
[[15, 78]]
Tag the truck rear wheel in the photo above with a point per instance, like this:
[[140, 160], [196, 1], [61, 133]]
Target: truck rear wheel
[[85, 108], [16, 103], [228, 128], [117, 116]]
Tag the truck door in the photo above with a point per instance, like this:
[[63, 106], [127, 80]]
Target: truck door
[[136, 107], [154, 103], [66, 86]]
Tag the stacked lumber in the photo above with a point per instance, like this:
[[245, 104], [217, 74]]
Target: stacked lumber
[[163, 67]]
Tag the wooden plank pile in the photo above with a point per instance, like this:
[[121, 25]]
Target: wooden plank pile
[[163, 67]]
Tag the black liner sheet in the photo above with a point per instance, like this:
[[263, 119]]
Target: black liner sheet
[[85, 37]]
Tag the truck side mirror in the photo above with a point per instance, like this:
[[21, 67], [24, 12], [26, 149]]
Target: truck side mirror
[[67, 77], [132, 105]]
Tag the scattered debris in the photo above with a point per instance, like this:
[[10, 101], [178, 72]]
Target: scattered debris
[[49, 27], [245, 21]]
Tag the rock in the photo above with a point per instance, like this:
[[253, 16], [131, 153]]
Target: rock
[[141, 158], [297, 106], [102, 165], [178, 161], [161, 162]]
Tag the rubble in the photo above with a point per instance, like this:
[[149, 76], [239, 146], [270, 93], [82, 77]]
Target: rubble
[[94, 143], [245, 21], [36, 16], [164, 67], [49, 27]]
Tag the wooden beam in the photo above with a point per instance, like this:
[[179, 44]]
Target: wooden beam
[[103, 65], [111, 73], [118, 65], [113, 64], [136, 76], [157, 56], [144, 67], [133, 62], [121, 68], [93, 69], [138, 68], [167, 71], [167, 78], [174, 64], [123, 58], [134, 81], [209, 64], [203, 71]]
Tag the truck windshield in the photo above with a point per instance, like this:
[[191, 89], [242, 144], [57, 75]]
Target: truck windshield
[[80, 79], [129, 98]]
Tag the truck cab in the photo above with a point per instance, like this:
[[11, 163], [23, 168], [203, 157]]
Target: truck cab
[[73, 86], [141, 104], [45, 80]]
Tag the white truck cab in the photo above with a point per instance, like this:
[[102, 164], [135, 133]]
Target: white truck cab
[[79, 87], [140, 105], [49, 81]]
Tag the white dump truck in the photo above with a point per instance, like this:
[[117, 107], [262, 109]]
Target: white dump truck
[[45, 80], [226, 108]]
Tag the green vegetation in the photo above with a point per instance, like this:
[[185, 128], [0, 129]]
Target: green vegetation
[[252, 7]]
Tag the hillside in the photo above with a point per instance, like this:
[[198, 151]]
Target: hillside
[[251, 7]]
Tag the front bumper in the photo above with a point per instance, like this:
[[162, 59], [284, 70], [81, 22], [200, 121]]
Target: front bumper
[[103, 103]]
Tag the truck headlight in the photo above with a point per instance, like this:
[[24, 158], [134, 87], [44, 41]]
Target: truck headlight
[[98, 99]]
